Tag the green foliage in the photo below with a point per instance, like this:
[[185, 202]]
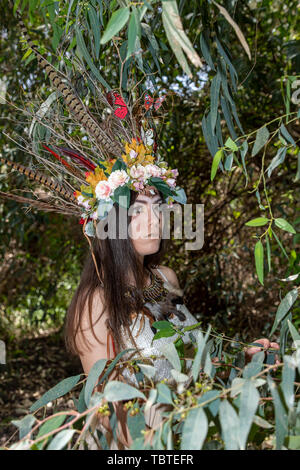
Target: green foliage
[[202, 411]]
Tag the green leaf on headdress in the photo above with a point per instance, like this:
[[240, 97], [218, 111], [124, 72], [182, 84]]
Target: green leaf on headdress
[[180, 196], [86, 190], [101, 165], [161, 185], [119, 165], [122, 196]]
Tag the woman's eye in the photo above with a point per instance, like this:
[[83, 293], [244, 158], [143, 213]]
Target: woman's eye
[[137, 210]]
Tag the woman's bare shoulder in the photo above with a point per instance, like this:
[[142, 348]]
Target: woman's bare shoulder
[[170, 275]]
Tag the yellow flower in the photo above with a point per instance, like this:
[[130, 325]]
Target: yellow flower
[[143, 156], [95, 176]]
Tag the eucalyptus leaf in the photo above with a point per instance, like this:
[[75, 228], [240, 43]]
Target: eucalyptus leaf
[[294, 333], [25, 424], [283, 308], [117, 21], [136, 424], [249, 400], [170, 352], [259, 261], [262, 136], [49, 426], [281, 418], [92, 379], [83, 50], [61, 439], [287, 382], [276, 161], [215, 163], [116, 391], [148, 370], [284, 132], [230, 425], [215, 92], [59, 390], [164, 394], [258, 222], [284, 225], [194, 430], [231, 144]]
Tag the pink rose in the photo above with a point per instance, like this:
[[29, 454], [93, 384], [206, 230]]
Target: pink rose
[[117, 178], [153, 170], [103, 190], [175, 172], [138, 172]]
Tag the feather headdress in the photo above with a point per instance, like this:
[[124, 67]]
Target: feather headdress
[[86, 176]]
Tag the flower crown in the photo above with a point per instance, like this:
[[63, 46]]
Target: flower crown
[[111, 179]]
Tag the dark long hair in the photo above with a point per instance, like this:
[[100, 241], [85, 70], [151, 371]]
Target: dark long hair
[[115, 258]]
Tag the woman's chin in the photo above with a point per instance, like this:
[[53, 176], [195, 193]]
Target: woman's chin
[[149, 246]]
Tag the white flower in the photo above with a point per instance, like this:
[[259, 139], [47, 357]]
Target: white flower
[[132, 153], [83, 203], [117, 178], [103, 190]]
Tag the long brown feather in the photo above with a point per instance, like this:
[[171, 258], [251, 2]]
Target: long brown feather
[[72, 101], [40, 205], [41, 178]]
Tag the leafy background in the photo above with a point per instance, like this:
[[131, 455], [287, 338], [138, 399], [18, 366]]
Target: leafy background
[[235, 281]]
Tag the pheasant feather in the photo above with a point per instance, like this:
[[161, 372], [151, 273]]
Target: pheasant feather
[[40, 205], [72, 101], [41, 178]]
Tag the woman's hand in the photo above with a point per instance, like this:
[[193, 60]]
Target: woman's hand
[[266, 344]]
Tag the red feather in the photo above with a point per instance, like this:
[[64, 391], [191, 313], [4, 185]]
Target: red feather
[[66, 164], [83, 160]]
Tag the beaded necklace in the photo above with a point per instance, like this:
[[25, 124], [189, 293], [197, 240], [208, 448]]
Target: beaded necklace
[[155, 292]]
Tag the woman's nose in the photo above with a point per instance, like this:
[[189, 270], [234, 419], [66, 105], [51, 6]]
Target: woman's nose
[[154, 215]]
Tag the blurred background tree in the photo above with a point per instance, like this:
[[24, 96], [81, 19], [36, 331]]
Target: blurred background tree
[[231, 71]]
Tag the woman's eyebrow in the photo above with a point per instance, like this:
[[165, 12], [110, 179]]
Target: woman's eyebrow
[[145, 202]]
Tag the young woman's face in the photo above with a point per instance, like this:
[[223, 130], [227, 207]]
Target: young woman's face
[[146, 224]]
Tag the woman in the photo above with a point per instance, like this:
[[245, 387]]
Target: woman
[[103, 319], [107, 313]]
